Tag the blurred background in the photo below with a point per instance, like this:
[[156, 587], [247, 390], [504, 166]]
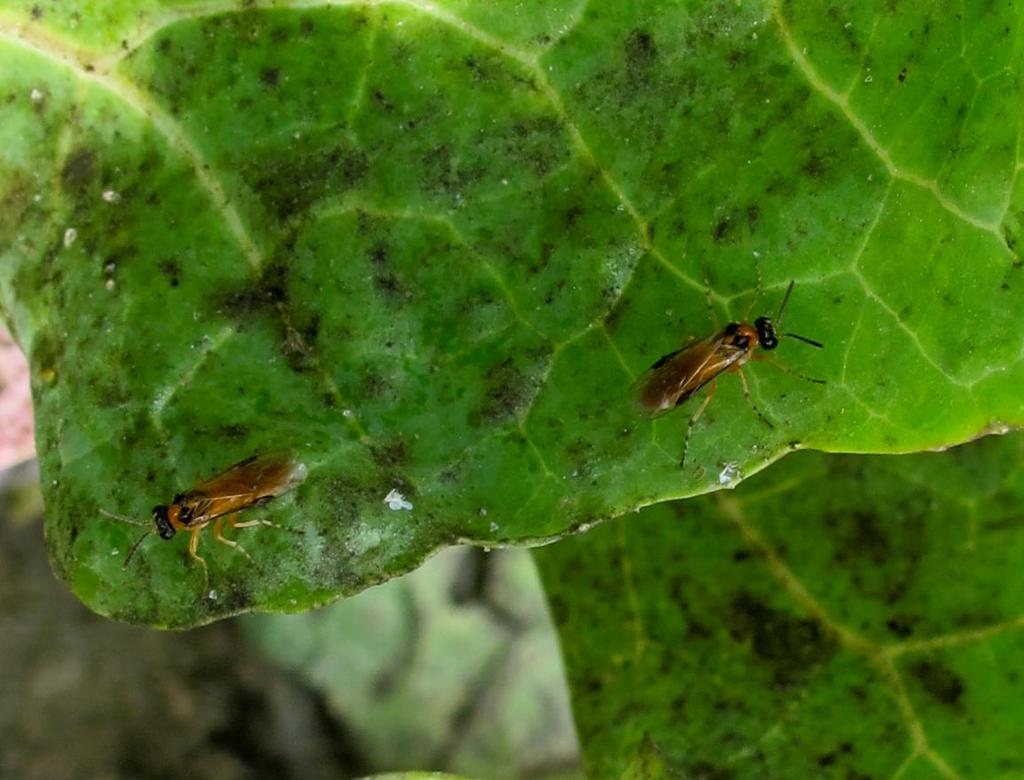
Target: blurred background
[[454, 667]]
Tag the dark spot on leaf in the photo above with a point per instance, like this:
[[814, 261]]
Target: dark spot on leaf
[[572, 214], [901, 626], [236, 599], [753, 217], [234, 431], [704, 770], [390, 454], [270, 77], [792, 646], [290, 184], [79, 170], [382, 101], [164, 47], [383, 278], [830, 758], [268, 292], [721, 231], [640, 50], [903, 74], [375, 385], [509, 390], [867, 537], [171, 269], [37, 13], [939, 681], [311, 330], [817, 164]]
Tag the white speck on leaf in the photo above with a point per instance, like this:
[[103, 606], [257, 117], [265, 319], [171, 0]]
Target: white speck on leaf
[[36, 95], [730, 473], [69, 237], [111, 196], [396, 501]]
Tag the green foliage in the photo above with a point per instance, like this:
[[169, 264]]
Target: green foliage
[[454, 666], [427, 247], [837, 616]]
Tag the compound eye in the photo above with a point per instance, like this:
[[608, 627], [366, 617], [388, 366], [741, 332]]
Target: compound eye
[[163, 525], [766, 333]]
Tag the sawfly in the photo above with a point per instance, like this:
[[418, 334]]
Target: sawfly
[[678, 376], [250, 483]]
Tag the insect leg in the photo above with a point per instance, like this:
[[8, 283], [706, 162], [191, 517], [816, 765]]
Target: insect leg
[[712, 386], [746, 393], [122, 518], [218, 527], [193, 544], [250, 523], [763, 358]]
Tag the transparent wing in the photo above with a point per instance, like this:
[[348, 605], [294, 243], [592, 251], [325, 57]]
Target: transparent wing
[[253, 478], [680, 374]]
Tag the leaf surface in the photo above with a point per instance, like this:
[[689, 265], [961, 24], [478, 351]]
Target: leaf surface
[[429, 246], [836, 616]]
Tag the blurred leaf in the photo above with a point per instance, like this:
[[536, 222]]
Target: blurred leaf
[[428, 246], [455, 666], [837, 616]]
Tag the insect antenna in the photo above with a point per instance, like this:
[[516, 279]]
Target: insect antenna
[[129, 521], [805, 340], [138, 543], [782, 306], [123, 519]]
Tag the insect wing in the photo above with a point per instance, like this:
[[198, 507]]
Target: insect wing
[[678, 375], [242, 486]]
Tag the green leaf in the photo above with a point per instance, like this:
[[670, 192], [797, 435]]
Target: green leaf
[[428, 246], [837, 616], [649, 764], [455, 666]]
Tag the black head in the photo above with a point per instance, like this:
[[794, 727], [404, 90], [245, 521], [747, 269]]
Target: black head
[[163, 524], [766, 333]]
